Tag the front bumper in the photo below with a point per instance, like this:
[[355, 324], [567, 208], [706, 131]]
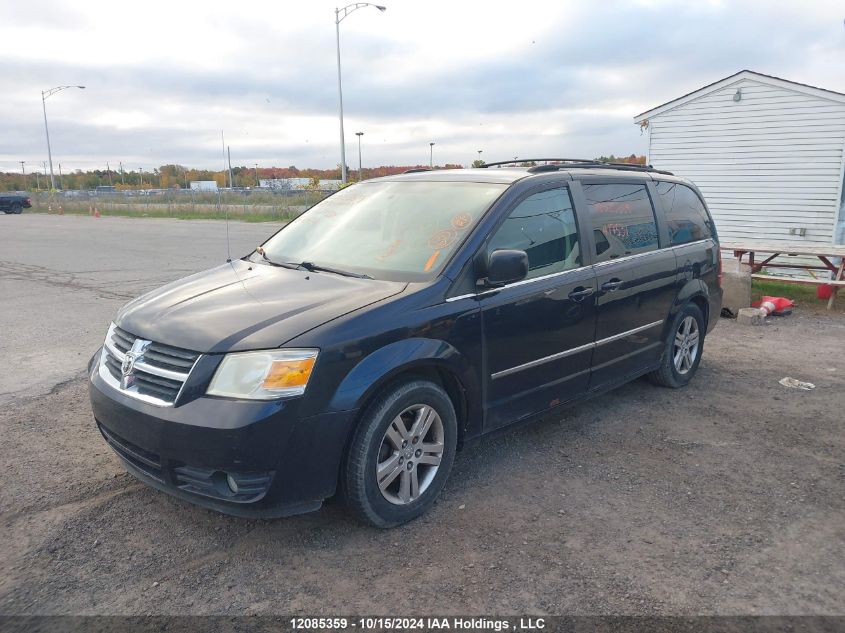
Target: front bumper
[[279, 462]]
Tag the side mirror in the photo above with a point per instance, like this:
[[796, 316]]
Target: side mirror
[[506, 267]]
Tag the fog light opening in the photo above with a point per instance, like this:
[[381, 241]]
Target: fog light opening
[[233, 485]]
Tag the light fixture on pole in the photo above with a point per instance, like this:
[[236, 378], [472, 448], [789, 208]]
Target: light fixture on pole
[[360, 173], [431, 155], [339, 15], [44, 95]]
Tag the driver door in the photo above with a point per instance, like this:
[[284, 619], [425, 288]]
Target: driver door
[[538, 333]]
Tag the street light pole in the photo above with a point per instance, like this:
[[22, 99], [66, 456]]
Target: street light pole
[[339, 15], [360, 173], [44, 95], [23, 171], [257, 182], [431, 155]]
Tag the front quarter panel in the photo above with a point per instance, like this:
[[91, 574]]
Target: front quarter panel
[[360, 353]]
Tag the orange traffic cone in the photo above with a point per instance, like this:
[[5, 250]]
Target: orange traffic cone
[[61, 210], [96, 212]]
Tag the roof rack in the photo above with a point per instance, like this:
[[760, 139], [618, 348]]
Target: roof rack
[[417, 170], [537, 160], [579, 163]]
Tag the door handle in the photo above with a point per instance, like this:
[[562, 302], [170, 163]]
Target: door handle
[[613, 284], [581, 293]]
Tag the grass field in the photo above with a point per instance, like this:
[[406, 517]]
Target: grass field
[[199, 214]]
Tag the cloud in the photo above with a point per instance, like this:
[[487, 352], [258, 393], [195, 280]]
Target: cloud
[[513, 80]]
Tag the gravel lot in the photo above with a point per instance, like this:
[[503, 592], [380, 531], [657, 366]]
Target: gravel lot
[[722, 498]]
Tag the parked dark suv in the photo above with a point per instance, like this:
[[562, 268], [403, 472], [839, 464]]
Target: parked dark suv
[[371, 337], [14, 203]]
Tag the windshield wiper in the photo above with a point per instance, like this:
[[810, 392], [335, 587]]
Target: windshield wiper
[[311, 266], [263, 254]]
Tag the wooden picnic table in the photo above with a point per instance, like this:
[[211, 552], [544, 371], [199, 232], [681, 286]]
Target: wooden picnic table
[[823, 252]]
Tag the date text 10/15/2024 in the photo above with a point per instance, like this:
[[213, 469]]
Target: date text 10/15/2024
[[454, 623]]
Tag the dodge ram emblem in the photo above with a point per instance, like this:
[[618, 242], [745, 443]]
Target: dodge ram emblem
[[132, 356]]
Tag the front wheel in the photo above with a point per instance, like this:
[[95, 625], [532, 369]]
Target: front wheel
[[683, 348], [401, 454]]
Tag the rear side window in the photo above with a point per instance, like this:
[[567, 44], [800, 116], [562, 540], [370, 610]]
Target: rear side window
[[685, 213], [623, 220], [542, 225]]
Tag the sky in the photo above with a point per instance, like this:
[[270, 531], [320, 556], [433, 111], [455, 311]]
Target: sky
[[522, 79]]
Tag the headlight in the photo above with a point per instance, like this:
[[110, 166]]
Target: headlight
[[265, 375]]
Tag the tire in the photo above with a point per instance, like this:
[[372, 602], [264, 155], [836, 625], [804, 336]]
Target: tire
[[677, 366], [379, 440], [17, 210]]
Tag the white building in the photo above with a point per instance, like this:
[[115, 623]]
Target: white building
[[768, 155], [203, 185]]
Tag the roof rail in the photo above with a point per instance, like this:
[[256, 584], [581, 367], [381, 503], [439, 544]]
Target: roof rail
[[559, 164], [599, 165], [536, 160], [417, 170]]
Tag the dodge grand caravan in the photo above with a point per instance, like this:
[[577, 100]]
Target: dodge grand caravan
[[362, 344]]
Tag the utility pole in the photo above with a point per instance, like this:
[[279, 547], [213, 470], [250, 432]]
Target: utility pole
[[122, 181], [229, 155], [108, 169], [339, 15], [360, 173], [257, 182], [140, 178], [44, 95], [23, 170], [61, 182], [431, 155], [223, 143], [37, 182]]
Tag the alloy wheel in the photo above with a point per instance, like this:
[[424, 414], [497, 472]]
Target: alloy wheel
[[410, 454], [685, 348]]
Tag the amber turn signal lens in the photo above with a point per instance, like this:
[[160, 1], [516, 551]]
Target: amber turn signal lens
[[288, 373]]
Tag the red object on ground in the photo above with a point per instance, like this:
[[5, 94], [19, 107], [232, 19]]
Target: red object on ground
[[824, 292], [774, 305]]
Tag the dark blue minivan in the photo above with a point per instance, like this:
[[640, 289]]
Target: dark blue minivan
[[360, 346]]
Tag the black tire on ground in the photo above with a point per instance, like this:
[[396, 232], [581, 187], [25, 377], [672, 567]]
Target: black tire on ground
[[17, 210], [669, 374], [370, 446]]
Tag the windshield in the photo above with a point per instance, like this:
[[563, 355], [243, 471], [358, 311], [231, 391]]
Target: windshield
[[403, 231]]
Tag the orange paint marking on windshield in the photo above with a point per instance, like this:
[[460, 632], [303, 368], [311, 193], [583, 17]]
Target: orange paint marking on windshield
[[431, 261]]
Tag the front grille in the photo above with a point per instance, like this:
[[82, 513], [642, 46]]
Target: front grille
[[159, 370], [146, 461]]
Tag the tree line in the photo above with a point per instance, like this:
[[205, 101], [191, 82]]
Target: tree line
[[180, 177]]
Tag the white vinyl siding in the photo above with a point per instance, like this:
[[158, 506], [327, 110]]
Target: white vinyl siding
[[770, 162]]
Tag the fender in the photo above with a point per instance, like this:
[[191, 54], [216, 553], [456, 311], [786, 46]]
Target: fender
[[691, 288], [395, 358]]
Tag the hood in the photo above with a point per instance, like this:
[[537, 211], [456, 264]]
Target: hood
[[243, 306]]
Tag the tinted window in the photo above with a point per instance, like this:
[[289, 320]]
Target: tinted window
[[685, 213], [623, 220], [542, 225]]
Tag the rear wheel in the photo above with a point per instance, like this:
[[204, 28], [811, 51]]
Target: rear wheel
[[683, 348], [17, 210], [401, 454]]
